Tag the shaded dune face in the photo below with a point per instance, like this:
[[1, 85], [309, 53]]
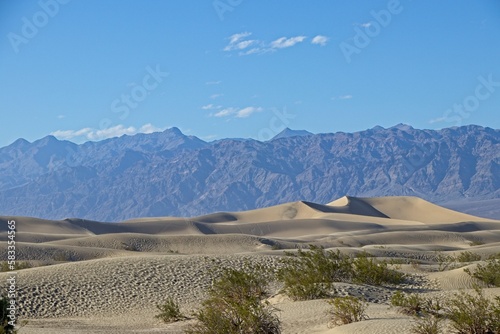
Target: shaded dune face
[[345, 221], [91, 276]]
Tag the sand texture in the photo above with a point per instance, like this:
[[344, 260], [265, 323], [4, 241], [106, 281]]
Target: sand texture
[[94, 277]]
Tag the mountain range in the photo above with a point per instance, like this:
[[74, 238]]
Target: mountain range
[[171, 174]]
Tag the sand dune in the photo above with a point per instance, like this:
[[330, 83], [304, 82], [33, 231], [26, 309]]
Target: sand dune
[[108, 277]]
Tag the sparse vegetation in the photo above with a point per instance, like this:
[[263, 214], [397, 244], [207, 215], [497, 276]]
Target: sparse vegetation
[[371, 271], [311, 274], [473, 313], [4, 266], [415, 304], [427, 325], [467, 257], [347, 310], [235, 305], [170, 311], [476, 243], [488, 273], [5, 327]]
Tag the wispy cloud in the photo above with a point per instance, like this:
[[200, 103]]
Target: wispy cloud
[[320, 40], [237, 112], [210, 107], [437, 120], [342, 97], [366, 24], [284, 42], [114, 131], [61, 116], [236, 42], [213, 82], [225, 112], [244, 46], [214, 96]]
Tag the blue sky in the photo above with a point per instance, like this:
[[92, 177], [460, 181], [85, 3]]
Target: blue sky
[[91, 69]]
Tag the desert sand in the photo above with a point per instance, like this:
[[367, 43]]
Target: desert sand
[[93, 277]]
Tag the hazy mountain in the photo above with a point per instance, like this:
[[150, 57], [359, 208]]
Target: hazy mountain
[[169, 173], [287, 133]]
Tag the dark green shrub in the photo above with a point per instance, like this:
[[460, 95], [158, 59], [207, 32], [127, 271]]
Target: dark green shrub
[[489, 273], [347, 310], [19, 265], [468, 257], [427, 325], [415, 305], [235, 305], [170, 311], [310, 274], [473, 314], [5, 327], [370, 271]]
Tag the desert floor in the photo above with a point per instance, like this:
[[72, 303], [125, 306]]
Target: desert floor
[[92, 277]]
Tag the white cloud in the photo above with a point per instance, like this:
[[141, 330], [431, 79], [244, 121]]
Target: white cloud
[[214, 96], [342, 97], [237, 112], [245, 112], [284, 42], [236, 37], [61, 116], [114, 131], [226, 112], [210, 107], [319, 39], [150, 128], [366, 25], [238, 42], [437, 120], [213, 82]]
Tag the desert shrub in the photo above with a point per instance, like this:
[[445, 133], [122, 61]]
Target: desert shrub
[[415, 305], [235, 305], [476, 243], [347, 310], [170, 311], [370, 271], [473, 313], [411, 304], [468, 257], [489, 273], [445, 261], [427, 325], [4, 266], [310, 274], [5, 327]]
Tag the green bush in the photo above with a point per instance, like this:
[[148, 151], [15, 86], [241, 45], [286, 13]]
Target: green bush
[[235, 306], [347, 310], [19, 265], [373, 272], [473, 314], [310, 274], [489, 273], [170, 311], [427, 325], [5, 327], [415, 305], [468, 257], [412, 304]]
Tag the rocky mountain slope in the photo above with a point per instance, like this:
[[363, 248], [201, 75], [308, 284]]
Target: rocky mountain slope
[[172, 174]]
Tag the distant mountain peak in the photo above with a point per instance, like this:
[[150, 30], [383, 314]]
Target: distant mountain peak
[[287, 133], [402, 127]]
